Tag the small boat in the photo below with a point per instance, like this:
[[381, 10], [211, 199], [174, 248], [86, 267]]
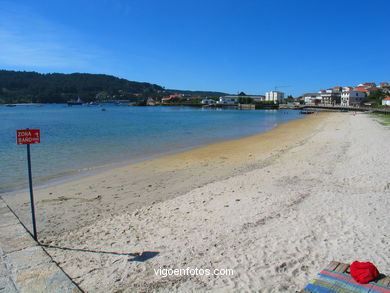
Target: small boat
[[10, 105], [78, 102]]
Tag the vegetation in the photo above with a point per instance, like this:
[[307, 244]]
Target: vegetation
[[33, 87], [245, 100], [208, 94], [377, 96], [188, 101], [382, 119]]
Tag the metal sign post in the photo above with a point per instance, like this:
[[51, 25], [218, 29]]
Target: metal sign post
[[29, 136]]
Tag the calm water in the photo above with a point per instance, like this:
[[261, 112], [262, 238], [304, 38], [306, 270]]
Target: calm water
[[79, 137]]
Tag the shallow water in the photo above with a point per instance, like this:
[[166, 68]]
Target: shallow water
[[80, 137]]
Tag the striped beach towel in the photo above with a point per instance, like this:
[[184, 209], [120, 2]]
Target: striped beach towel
[[333, 282]]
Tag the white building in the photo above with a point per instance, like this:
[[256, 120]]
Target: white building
[[386, 101], [228, 100], [257, 98], [275, 96], [353, 98], [311, 98], [208, 102]]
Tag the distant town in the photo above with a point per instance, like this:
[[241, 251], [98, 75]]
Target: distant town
[[367, 94], [21, 87]]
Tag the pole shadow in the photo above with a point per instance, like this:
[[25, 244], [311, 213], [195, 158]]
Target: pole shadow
[[136, 256], [144, 256]]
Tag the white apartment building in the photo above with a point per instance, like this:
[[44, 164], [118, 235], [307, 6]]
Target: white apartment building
[[330, 96], [275, 96], [352, 98]]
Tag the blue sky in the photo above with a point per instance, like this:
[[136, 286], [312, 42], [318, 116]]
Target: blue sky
[[229, 45]]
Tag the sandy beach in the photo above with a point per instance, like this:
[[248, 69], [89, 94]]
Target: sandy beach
[[273, 208]]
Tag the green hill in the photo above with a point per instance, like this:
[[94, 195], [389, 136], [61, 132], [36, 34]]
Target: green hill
[[27, 87]]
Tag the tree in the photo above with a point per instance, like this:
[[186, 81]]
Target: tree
[[376, 95], [245, 100], [242, 94], [27, 87], [289, 98]]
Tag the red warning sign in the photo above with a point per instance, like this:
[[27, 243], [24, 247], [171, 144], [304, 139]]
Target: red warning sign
[[28, 136]]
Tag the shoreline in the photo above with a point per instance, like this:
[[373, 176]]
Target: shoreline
[[70, 175], [132, 186], [274, 207], [276, 221]]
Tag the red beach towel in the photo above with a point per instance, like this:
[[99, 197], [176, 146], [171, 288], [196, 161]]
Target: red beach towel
[[363, 272]]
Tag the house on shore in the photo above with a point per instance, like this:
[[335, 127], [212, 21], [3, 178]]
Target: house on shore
[[311, 98], [171, 98], [330, 96], [386, 101], [352, 98], [208, 102], [348, 95], [234, 99], [228, 100]]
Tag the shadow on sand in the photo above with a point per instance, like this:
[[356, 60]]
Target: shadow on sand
[[144, 256], [136, 256]]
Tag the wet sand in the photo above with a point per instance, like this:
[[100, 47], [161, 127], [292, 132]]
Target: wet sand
[[74, 204]]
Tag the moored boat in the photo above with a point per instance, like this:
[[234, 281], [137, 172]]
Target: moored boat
[[78, 102]]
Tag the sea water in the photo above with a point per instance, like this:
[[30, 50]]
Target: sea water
[[74, 139]]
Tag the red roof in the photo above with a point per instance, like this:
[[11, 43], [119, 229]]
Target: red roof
[[171, 97], [387, 99], [361, 89], [176, 96]]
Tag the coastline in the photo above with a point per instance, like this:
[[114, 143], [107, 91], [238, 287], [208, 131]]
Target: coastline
[[210, 162], [274, 207], [83, 170]]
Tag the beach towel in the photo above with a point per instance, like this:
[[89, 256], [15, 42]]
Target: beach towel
[[333, 282]]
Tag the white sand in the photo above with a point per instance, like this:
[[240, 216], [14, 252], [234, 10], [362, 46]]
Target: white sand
[[276, 221]]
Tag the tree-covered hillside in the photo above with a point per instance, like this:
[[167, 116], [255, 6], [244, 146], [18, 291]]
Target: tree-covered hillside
[[27, 87]]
